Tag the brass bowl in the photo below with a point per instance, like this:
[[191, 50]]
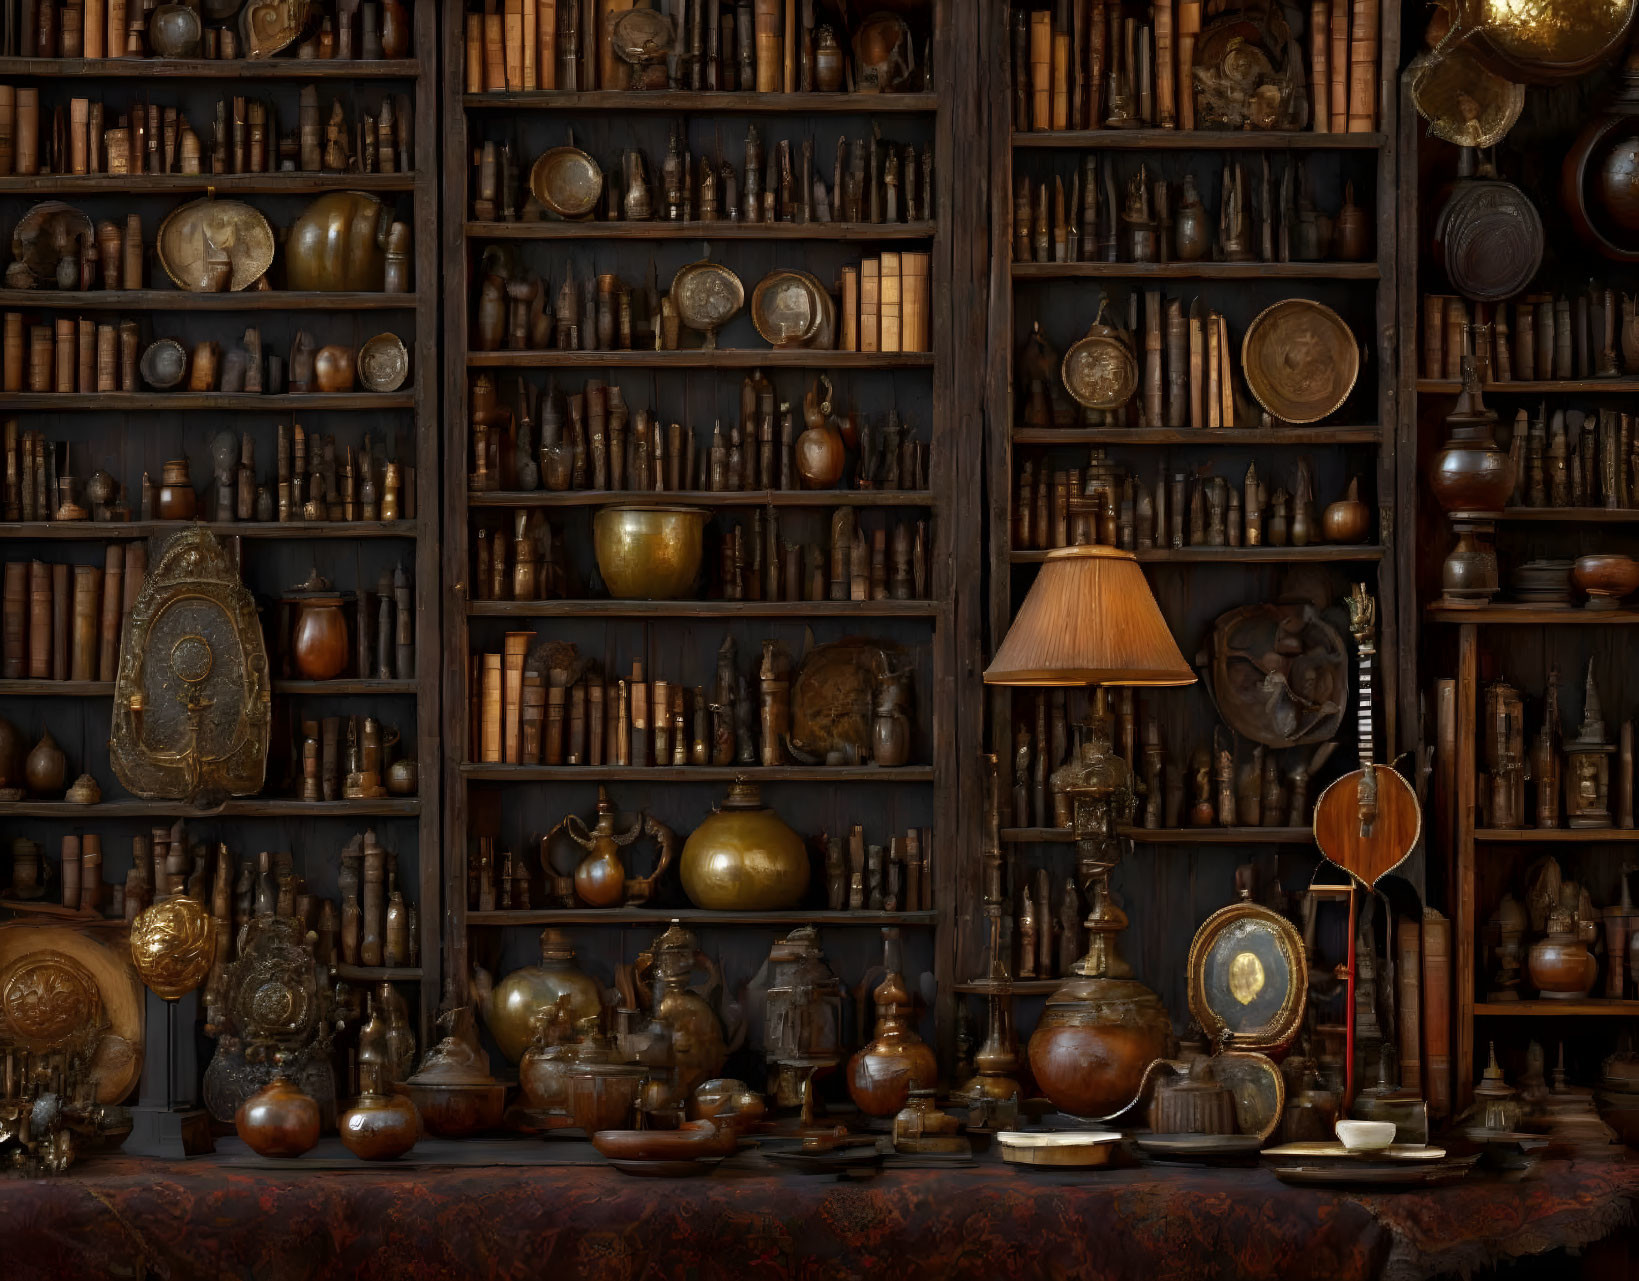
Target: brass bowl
[[567, 181], [383, 363], [194, 232], [1463, 102], [1300, 360], [791, 309], [649, 553]]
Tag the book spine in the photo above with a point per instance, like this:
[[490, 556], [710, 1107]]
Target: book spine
[[1437, 1012], [890, 339], [490, 710], [83, 646], [1409, 982], [113, 595], [39, 621], [870, 302]]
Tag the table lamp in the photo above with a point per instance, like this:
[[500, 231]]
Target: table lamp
[[1090, 619]]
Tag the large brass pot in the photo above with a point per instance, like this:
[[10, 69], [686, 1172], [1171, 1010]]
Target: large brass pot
[[649, 553], [744, 858], [516, 998], [339, 244]]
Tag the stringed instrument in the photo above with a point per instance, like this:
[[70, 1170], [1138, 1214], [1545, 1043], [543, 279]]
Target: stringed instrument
[[1368, 821]]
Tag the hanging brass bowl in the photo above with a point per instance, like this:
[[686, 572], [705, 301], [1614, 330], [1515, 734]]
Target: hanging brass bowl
[[1540, 41], [215, 246], [1100, 370], [707, 296], [1300, 360], [567, 182], [792, 309], [1464, 102]]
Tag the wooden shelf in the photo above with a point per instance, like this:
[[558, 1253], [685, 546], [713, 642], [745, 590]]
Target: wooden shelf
[[699, 358], [1196, 270], [707, 498], [696, 773], [211, 69], [1533, 614], [1555, 835], [147, 184], [1233, 555], [1595, 386], [701, 609], [166, 402], [182, 300], [56, 689], [720, 229], [1196, 140], [376, 973], [1197, 436], [871, 104], [1558, 1009], [250, 807], [1019, 987], [345, 687], [1171, 836], [114, 530], [1574, 515], [657, 917]]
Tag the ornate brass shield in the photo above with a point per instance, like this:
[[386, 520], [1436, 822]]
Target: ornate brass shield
[[192, 696]]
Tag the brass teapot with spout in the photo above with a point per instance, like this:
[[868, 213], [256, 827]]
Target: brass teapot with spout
[[600, 879]]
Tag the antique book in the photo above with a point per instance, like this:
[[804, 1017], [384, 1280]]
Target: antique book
[[849, 340], [1408, 977], [889, 339], [1437, 1012], [490, 709], [83, 645], [1041, 70], [870, 295]]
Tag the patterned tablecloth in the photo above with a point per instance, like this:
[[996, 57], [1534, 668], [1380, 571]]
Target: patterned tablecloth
[[118, 1217]]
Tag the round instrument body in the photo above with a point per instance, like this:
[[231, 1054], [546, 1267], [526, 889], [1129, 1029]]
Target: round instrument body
[[1394, 833]]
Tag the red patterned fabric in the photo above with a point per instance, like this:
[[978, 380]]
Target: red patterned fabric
[[123, 1218]]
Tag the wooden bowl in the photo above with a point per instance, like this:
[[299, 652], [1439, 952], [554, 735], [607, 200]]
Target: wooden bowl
[[1074, 1149], [1606, 578]]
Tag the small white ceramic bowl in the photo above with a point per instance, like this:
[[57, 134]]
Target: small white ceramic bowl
[[1365, 1136]]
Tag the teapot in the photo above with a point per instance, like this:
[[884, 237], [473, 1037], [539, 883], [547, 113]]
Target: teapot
[[696, 1018], [600, 879]]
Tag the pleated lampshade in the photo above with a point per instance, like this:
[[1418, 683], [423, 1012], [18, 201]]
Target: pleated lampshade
[[1089, 619]]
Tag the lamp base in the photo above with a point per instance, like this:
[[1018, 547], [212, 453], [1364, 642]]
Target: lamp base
[[171, 1134]]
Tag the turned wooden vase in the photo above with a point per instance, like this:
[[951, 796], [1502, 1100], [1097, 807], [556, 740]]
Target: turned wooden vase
[[1471, 472], [318, 644], [278, 1120]]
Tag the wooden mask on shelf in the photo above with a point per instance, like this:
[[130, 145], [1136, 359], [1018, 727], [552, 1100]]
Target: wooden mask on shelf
[[192, 699]]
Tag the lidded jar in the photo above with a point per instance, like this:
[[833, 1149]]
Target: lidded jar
[[1560, 964], [176, 499], [318, 639], [511, 1007], [744, 857], [1472, 473]]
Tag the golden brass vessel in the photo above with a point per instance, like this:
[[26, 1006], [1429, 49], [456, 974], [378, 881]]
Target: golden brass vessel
[[510, 1006], [649, 553], [173, 945], [744, 858], [339, 243]]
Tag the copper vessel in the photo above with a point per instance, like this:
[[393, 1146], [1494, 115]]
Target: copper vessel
[[318, 644], [649, 553], [1349, 520], [882, 1074], [1471, 472], [1560, 965], [698, 1039], [821, 455], [744, 858], [1599, 180], [335, 369], [510, 1006], [602, 1090], [339, 244], [1607, 579], [379, 1127], [278, 1120], [453, 1090], [1094, 1040]]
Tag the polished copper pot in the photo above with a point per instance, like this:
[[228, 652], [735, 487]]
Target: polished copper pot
[[379, 1127], [280, 1119]]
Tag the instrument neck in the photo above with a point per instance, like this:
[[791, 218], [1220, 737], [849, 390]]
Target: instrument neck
[[1368, 654]]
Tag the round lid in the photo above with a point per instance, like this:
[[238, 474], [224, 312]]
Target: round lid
[[1248, 978]]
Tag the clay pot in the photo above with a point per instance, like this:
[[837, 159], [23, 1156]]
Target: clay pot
[[333, 369], [11, 754], [1348, 520], [882, 1075], [278, 1120], [46, 769], [1606, 578], [1560, 965], [1095, 1038], [828, 59], [176, 499], [457, 1111], [744, 858], [1471, 472], [319, 641], [379, 1127]]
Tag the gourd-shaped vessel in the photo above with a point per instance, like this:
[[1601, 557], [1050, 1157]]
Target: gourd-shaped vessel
[[280, 1119], [600, 879], [1472, 473], [381, 1125], [882, 1074], [699, 1047], [1560, 964], [510, 1006], [744, 858]]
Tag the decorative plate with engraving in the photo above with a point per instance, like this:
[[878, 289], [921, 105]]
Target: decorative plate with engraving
[[215, 246], [192, 695], [1100, 370], [1300, 360], [707, 296], [1248, 979], [567, 181]]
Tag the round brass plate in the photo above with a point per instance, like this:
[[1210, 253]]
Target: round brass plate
[[1300, 360], [790, 309], [567, 181], [384, 363], [707, 296], [1248, 978], [193, 237], [1463, 102], [1100, 371]]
